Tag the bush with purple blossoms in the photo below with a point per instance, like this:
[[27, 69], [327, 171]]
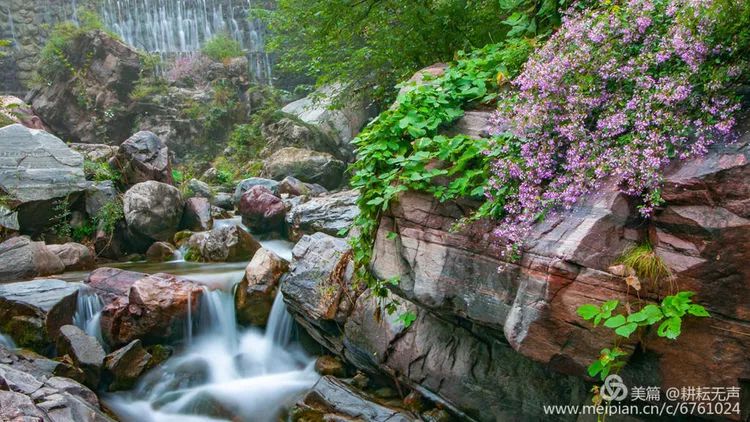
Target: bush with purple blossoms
[[619, 91]]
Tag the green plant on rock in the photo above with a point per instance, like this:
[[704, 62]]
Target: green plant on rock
[[109, 215], [645, 262], [60, 223], [222, 47], [100, 171]]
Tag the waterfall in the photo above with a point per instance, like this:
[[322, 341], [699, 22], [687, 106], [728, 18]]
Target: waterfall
[[280, 323], [88, 313], [7, 342]]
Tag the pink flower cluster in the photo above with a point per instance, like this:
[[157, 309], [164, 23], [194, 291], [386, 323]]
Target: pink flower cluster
[[618, 91]]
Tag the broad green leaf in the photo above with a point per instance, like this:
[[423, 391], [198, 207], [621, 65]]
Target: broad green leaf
[[698, 310], [587, 311], [627, 329], [615, 321], [671, 328]]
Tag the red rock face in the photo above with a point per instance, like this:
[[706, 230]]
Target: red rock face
[[261, 210], [151, 308]]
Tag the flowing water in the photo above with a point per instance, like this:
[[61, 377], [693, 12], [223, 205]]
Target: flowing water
[[7, 342]]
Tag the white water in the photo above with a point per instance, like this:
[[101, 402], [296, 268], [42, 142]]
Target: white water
[[7, 342], [239, 374], [88, 313]]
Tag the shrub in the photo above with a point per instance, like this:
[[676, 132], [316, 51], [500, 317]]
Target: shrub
[[100, 172], [222, 47], [645, 262]]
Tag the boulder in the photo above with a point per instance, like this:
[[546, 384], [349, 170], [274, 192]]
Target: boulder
[[92, 107], [261, 210], [246, 184], [327, 213], [152, 308], [74, 256], [223, 200], [33, 392], [153, 210], [330, 365], [255, 295], [309, 166], [15, 110], [294, 187], [287, 132], [161, 252], [332, 399], [84, 350], [36, 170], [126, 364], [200, 189], [98, 195], [143, 157], [224, 244], [32, 312], [99, 153], [197, 215], [21, 259]]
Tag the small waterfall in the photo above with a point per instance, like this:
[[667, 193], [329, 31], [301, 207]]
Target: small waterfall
[[88, 313], [280, 323], [7, 342]]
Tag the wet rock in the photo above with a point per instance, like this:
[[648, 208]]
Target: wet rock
[[224, 244], [330, 365], [100, 153], [86, 352], [309, 166], [261, 210], [200, 189], [329, 214], [151, 308], [21, 258], [36, 169], [255, 294], [74, 256], [153, 210], [32, 312], [437, 415], [332, 399], [143, 157], [126, 364], [94, 106], [223, 200], [98, 195], [246, 184], [197, 215], [161, 252], [293, 187]]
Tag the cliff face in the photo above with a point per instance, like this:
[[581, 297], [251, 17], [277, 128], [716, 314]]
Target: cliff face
[[495, 339]]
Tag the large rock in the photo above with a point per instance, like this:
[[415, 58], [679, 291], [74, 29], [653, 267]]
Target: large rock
[[255, 295], [15, 110], [248, 183], [98, 195], [36, 169], [332, 399], [223, 244], [309, 166], [84, 350], [261, 210], [328, 214], [93, 106], [200, 189], [153, 209], [152, 308], [197, 215], [33, 392], [21, 258], [161, 252], [32, 312], [143, 157], [126, 364], [288, 132], [74, 256], [99, 153]]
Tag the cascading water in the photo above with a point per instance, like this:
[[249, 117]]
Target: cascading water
[[88, 313], [7, 342], [224, 372]]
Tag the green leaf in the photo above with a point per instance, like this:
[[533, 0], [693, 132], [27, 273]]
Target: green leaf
[[615, 321], [671, 328], [595, 368], [407, 318], [587, 311], [391, 235], [610, 305], [698, 310], [376, 201], [627, 329]]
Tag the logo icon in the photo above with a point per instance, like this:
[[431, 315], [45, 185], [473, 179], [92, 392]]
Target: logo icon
[[614, 389]]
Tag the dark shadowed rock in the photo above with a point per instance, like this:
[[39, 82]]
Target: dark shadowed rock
[[100, 153], [257, 291], [98, 195], [246, 184], [86, 352], [223, 200], [126, 364], [74, 256], [327, 213], [21, 258], [32, 312], [143, 157], [224, 244], [197, 215], [330, 365], [261, 210], [332, 399], [153, 209], [308, 166], [160, 252]]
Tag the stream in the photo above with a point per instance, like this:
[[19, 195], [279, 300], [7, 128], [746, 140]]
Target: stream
[[220, 368]]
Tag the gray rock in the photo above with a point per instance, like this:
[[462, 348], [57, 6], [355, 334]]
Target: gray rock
[[32, 312], [126, 364], [143, 157], [328, 214], [160, 252], [21, 258], [74, 256], [95, 152], [98, 195], [308, 166], [86, 352], [200, 189], [224, 244], [293, 187], [223, 200], [197, 215], [246, 184], [153, 209], [287, 132]]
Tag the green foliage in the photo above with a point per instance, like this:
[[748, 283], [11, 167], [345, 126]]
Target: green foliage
[[147, 87], [60, 223], [373, 44], [645, 262], [109, 215], [222, 47], [100, 171], [178, 176], [407, 318], [4, 44], [668, 315], [395, 149]]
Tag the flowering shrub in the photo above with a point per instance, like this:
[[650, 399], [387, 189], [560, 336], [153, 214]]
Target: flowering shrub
[[618, 91]]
